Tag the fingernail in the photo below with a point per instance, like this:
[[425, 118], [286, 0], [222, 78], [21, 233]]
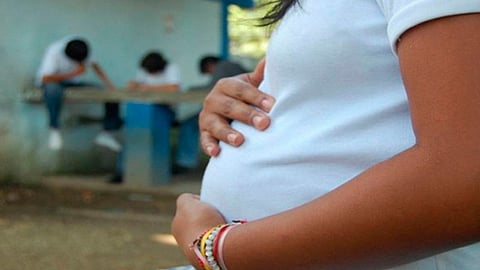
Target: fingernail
[[267, 104], [209, 149], [258, 121], [232, 138]]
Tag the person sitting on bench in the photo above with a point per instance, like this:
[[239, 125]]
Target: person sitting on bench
[[63, 62], [156, 73]]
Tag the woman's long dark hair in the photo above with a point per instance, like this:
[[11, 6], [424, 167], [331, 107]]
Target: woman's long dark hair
[[280, 7]]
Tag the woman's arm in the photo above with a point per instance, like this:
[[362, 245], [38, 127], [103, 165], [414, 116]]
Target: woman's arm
[[420, 202], [192, 217], [233, 98]]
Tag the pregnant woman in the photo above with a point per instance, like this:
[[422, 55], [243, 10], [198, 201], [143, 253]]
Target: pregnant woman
[[371, 157]]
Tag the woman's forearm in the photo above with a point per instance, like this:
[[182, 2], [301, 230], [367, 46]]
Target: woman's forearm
[[400, 210]]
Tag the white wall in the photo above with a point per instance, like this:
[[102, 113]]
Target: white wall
[[120, 32]]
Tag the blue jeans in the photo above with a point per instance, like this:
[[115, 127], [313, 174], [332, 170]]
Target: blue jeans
[[188, 143], [187, 154], [53, 97]]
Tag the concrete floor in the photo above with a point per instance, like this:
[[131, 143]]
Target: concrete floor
[[82, 223]]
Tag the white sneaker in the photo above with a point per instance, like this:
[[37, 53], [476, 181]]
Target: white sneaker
[[55, 141], [107, 140]]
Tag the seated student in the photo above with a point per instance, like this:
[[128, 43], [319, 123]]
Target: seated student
[[219, 68], [63, 62], [157, 74]]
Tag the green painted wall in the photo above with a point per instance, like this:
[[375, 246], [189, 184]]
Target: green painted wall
[[120, 31]]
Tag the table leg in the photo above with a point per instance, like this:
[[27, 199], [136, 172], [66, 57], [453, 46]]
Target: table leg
[[147, 144]]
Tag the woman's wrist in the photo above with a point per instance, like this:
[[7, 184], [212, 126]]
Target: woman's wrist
[[206, 251]]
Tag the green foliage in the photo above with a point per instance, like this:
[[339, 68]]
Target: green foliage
[[247, 38]]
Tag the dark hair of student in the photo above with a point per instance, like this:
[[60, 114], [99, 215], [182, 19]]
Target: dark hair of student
[[207, 60], [77, 50], [153, 62], [278, 10]]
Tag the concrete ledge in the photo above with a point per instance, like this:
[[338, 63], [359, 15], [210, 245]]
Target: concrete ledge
[[180, 184]]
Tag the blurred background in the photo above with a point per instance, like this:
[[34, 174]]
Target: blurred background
[[56, 211]]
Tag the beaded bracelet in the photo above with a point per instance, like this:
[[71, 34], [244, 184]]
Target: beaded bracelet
[[209, 243], [219, 247], [199, 246], [204, 240], [200, 259], [208, 247]]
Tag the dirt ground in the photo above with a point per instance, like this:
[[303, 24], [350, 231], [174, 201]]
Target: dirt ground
[[72, 227]]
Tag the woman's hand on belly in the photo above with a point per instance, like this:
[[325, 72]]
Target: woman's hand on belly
[[234, 98], [191, 219]]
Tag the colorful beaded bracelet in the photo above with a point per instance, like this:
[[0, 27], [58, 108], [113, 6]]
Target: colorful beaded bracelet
[[208, 247]]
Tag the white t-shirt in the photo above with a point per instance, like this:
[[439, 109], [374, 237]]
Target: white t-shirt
[[170, 75], [56, 61], [340, 108]]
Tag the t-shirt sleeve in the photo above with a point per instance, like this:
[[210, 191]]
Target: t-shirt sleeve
[[141, 76], [48, 66], [172, 74], [402, 15]]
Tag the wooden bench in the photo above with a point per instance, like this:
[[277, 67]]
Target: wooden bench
[[146, 152]]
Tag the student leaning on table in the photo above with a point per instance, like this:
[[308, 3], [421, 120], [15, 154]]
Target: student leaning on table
[[372, 156], [156, 73]]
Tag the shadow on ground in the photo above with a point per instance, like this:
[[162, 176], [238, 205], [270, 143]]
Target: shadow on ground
[[85, 224]]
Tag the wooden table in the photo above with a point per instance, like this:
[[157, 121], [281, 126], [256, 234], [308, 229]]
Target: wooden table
[[91, 94]]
